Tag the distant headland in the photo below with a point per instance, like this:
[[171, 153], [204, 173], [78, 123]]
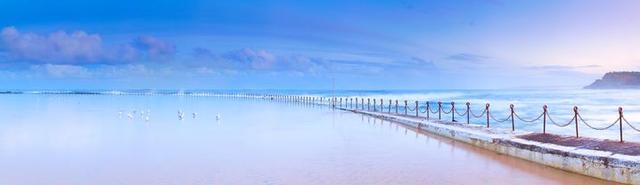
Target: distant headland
[[617, 80]]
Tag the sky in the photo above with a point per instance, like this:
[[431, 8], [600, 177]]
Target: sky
[[288, 44]]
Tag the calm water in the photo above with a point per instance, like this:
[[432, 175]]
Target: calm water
[[83, 139]]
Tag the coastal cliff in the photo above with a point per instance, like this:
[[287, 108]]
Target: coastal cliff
[[617, 80]]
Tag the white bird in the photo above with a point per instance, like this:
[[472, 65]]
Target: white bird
[[119, 114], [130, 116], [146, 118], [194, 115], [180, 114], [218, 117]]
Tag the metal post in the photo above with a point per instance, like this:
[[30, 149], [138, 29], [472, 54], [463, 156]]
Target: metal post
[[544, 119], [368, 103], [356, 103], [428, 111], [439, 110], [375, 105], [453, 112], [487, 110], [513, 124], [381, 105], [405, 107], [620, 120], [389, 110], [417, 109], [396, 106], [362, 103], [575, 117], [468, 111]]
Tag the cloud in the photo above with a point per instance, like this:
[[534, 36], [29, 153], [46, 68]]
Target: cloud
[[77, 47], [562, 67], [468, 57], [247, 59], [60, 46], [153, 46], [253, 59], [56, 70], [256, 60]]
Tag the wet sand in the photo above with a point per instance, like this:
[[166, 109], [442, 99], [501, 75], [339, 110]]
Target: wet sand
[[254, 142]]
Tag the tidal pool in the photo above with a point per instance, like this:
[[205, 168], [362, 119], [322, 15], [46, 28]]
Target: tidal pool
[[99, 139]]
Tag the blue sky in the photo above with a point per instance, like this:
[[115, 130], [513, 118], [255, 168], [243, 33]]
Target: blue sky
[[402, 44]]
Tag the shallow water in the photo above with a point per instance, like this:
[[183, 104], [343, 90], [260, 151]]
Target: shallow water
[[83, 139]]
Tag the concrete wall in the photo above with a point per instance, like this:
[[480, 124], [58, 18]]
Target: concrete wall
[[599, 164]]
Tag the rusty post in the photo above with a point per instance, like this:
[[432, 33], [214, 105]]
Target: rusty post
[[375, 105], [468, 111], [487, 110], [417, 111], [428, 111], [513, 122], [405, 107], [575, 117], [453, 111], [544, 119], [396, 106], [356, 103], [621, 117], [439, 110]]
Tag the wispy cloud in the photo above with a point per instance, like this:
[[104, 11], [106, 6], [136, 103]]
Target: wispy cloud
[[562, 67], [61, 70], [468, 57]]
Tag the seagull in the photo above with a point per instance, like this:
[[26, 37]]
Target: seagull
[[146, 118], [180, 114], [130, 116], [218, 117], [194, 115], [119, 114]]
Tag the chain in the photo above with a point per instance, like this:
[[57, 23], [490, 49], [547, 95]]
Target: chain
[[463, 114], [597, 128], [410, 109], [432, 112], [528, 121], [478, 116], [445, 112], [561, 125], [499, 121], [425, 110], [630, 125]]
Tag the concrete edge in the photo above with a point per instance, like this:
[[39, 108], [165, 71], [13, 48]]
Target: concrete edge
[[600, 164]]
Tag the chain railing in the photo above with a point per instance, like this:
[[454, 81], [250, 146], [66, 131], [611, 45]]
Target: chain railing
[[429, 109]]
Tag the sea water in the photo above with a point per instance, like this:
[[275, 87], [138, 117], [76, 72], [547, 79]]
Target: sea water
[[141, 138]]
